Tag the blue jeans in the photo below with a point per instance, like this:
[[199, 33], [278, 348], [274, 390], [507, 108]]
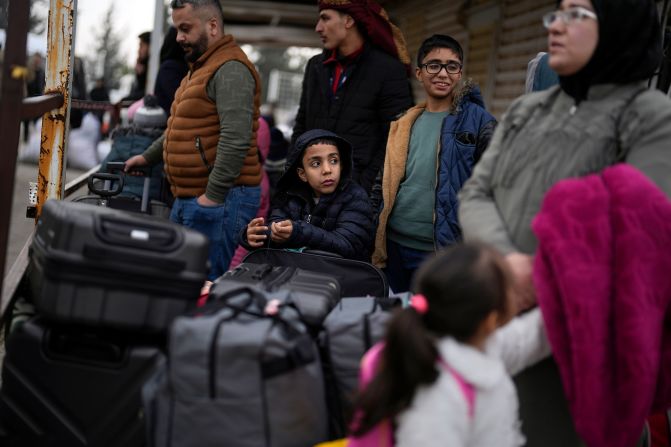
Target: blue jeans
[[402, 262], [221, 223]]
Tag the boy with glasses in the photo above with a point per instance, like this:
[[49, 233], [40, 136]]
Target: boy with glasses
[[431, 152]]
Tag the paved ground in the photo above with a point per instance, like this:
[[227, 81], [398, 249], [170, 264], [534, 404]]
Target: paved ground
[[20, 226]]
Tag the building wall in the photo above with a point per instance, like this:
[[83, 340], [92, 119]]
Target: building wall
[[499, 38]]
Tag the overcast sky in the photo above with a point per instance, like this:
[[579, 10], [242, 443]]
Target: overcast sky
[[132, 17]]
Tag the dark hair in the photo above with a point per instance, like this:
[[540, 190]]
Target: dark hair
[[321, 141], [324, 140], [462, 284], [145, 37], [170, 49], [439, 41], [198, 4]]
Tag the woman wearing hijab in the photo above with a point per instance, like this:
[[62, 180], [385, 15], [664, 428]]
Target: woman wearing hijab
[[172, 69], [601, 113]]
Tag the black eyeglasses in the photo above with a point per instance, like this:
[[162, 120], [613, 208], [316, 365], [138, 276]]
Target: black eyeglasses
[[433, 68]]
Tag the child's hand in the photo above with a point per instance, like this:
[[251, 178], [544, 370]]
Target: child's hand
[[281, 231], [256, 232]]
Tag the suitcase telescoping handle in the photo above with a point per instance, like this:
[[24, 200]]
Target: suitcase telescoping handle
[[140, 171]]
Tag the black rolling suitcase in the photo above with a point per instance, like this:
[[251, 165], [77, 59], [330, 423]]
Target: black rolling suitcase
[[64, 386], [104, 267]]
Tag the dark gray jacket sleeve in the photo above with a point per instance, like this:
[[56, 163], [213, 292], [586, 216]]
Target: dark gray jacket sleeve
[[232, 88], [484, 137], [478, 215], [154, 153], [646, 135]]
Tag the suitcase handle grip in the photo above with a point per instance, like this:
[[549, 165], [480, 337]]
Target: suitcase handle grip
[[108, 181], [152, 236], [255, 296], [88, 349]]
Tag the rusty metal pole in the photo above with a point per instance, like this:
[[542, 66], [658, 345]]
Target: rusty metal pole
[[13, 84], [55, 124]]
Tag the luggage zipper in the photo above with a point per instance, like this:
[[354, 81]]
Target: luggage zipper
[[309, 218]]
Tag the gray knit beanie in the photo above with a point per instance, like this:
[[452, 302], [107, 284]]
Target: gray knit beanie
[[150, 115]]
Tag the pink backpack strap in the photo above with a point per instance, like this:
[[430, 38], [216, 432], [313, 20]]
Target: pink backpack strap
[[369, 364], [382, 435], [466, 388]]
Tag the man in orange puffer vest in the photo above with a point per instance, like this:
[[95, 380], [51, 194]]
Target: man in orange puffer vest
[[209, 147]]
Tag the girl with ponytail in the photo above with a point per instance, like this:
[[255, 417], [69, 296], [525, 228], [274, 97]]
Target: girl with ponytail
[[442, 375]]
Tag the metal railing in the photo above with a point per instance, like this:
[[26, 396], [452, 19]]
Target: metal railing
[[15, 274], [54, 107]]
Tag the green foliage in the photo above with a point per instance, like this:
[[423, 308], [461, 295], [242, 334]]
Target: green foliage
[[107, 62]]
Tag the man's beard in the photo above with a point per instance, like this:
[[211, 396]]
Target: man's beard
[[198, 48]]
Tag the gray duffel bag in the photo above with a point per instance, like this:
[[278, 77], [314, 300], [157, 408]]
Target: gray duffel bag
[[349, 330], [238, 377]]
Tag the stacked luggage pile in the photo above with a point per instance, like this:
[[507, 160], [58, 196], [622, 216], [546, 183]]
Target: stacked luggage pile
[[106, 285], [119, 354]]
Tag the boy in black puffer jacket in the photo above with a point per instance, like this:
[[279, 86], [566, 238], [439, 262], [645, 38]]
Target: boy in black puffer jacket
[[317, 205]]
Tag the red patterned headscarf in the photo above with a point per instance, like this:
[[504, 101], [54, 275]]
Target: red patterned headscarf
[[374, 19]]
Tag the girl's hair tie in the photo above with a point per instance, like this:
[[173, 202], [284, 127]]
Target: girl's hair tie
[[419, 303]]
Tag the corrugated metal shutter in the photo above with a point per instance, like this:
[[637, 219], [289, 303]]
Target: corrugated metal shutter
[[522, 36]]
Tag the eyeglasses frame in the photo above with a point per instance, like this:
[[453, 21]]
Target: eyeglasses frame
[[442, 66], [584, 13]]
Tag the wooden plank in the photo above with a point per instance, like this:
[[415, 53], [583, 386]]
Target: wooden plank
[[528, 47]]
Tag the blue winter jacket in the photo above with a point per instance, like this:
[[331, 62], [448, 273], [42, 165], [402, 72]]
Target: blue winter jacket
[[341, 222], [465, 134]]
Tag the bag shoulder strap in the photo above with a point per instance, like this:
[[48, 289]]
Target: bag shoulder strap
[[467, 390], [371, 360], [369, 364]]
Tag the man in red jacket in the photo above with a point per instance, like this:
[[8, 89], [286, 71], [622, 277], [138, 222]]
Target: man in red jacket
[[359, 83]]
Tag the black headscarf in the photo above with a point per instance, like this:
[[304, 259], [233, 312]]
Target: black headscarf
[[170, 48], [629, 47]]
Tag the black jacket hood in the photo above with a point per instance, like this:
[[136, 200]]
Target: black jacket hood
[[290, 181]]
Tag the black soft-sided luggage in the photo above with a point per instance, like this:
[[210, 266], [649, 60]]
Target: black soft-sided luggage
[[356, 278], [106, 267], [66, 387], [313, 293]]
